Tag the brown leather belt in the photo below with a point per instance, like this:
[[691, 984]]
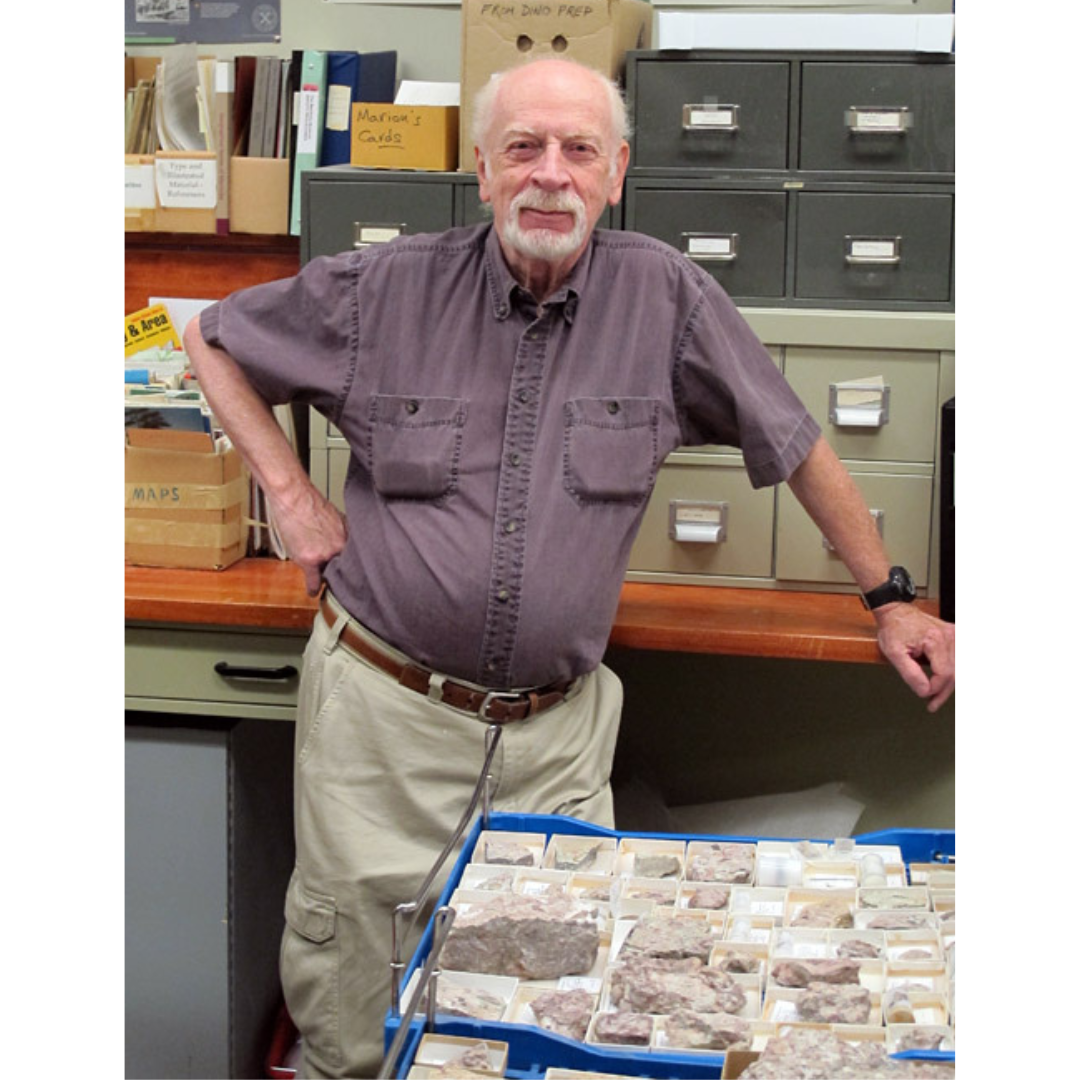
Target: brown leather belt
[[495, 706]]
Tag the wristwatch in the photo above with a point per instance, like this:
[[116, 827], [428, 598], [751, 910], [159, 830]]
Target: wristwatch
[[899, 587]]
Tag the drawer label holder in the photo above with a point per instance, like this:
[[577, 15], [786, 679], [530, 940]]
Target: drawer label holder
[[879, 119], [695, 522]]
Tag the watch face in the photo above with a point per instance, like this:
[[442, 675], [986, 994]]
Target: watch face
[[900, 579]]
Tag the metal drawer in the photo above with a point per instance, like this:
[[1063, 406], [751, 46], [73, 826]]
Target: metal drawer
[[905, 500], [212, 671], [897, 423], [342, 213], [738, 236], [711, 114], [877, 117], [709, 489], [874, 246]]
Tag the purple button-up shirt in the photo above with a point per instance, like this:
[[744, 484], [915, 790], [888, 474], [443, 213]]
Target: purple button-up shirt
[[503, 451]]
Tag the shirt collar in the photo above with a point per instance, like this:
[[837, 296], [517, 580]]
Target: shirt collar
[[504, 286]]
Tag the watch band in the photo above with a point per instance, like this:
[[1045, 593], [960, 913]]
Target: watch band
[[899, 588]]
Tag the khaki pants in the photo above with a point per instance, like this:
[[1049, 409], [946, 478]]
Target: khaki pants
[[382, 777]]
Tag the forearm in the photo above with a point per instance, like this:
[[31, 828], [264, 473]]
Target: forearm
[[247, 419], [829, 495]]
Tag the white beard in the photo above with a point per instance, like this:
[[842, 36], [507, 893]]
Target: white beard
[[546, 244]]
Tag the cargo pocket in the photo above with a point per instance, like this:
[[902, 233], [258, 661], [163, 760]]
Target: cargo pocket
[[610, 448], [310, 971], [415, 445]]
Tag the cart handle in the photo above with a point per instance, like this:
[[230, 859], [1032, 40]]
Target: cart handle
[[412, 907]]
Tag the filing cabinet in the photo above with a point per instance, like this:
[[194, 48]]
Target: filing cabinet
[[799, 179], [877, 116], [704, 520], [901, 503], [344, 208], [874, 247]]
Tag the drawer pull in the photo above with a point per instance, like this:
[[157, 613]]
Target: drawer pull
[[879, 521], [697, 522], [709, 117], [262, 674], [366, 233], [858, 405], [710, 247], [879, 119], [872, 250]]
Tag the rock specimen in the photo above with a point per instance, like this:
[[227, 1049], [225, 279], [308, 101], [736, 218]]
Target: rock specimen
[[834, 914], [802, 973], [566, 1012], [736, 963], [706, 1031], [730, 863], [892, 899], [649, 985], [626, 1028], [454, 999], [469, 1063], [828, 1004], [508, 853], [921, 1039], [859, 949], [657, 866], [899, 920], [710, 898], [529, 937], [809, 1054], [670, 938], [579, 859]]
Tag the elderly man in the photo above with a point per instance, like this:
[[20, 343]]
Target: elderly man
[[508, 392]]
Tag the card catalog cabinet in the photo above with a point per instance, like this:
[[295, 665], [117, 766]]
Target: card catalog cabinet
[[799, 179]]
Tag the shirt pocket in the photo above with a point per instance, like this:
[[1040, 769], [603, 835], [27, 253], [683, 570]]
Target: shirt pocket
[[610, 448], [415, 445]]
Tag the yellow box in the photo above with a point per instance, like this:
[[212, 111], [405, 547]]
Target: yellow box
[[386, 136]]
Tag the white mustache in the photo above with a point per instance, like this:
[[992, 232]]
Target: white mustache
[[557, 201]]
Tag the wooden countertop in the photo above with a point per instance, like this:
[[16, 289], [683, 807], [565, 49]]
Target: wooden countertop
[[269, 594]]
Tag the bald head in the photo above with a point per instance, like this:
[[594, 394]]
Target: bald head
[[545, 74]]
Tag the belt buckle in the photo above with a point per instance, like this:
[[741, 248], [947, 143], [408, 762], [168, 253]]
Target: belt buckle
[[497, 695]]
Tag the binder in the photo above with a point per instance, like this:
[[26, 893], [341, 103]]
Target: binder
[[224, 76], [351, 77], [309, 132]]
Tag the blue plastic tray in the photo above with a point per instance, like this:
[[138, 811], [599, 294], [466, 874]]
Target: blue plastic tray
[[533, 1050]]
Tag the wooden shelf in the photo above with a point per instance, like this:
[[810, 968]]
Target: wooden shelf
[[202, 266], [268, 594]]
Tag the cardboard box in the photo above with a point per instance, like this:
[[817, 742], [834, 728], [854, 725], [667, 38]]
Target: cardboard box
[[185, 502], [259, 195], [170, 191], [386, 136], [901, 31], [497, 36]]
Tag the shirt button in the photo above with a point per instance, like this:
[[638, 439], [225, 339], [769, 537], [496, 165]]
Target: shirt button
[[613, 407], [502, 595], [412, 406], [510, 526], [515, 458], [523, 395]]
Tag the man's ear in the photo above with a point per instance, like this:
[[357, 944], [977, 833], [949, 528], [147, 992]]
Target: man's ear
[[622, 160], [481, 175]]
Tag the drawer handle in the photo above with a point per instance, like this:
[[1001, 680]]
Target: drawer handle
[[872, 250], [710, 117], [263, 674], [879, 119], [858, 405], [710, 247], [691, 522], [366, 233]]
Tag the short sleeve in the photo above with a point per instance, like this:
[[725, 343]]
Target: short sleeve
[[730, 392], [295, 339]]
